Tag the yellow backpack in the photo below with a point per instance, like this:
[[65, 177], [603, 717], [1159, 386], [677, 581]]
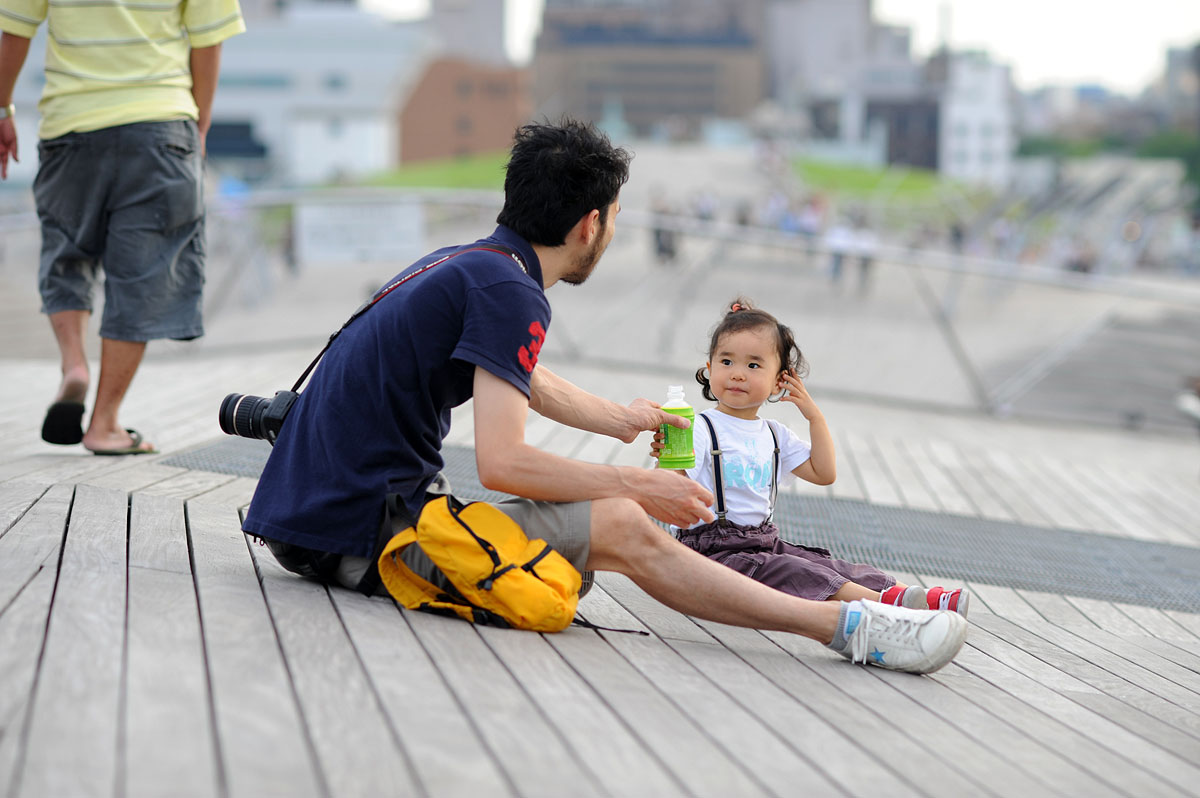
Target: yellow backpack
[[498, 575]]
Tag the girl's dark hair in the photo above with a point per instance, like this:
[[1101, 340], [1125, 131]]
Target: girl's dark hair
[[744, 316], [556, 174]]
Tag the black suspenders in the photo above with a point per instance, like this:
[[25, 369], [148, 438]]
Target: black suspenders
[[718, 476]]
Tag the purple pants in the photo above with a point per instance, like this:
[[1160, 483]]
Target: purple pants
[[757, 552]]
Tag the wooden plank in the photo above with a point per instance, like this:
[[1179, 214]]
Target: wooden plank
[[447, 754], [1140, 517], [345, 723], [949, 496], [684, 719], [980, 494], [1153, 492], [168, 746], [262, 741], [1062, 758], [1012, 496], [15, 500], [607, 747], [1057, 510], [915, 491], [234, 494], [73, 730], [996, 686], [1180, 666], [1051, 474], [168, 732], [188, 484], [877, 483], [1156, 719], [865, 693], [137, 476], [656, 616], [1068, 699], [1120, 520], [33, 541], [533, 755], [23, 630]]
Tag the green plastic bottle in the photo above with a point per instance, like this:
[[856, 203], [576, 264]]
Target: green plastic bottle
[[677, 451]]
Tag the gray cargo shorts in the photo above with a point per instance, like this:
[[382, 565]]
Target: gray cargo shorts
[[127, 200], [565, 526]]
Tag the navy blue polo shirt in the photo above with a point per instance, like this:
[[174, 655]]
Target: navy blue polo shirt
[[372, 419]]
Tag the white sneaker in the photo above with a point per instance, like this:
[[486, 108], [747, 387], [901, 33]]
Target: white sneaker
[[902, 639]]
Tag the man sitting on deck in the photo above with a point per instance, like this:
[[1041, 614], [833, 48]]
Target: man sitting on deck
[[372, 421]]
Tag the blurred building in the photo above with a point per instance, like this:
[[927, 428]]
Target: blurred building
[[315, 94], [461, 107], [976, 121], [660, 65], [472, 30], [1180, 96]]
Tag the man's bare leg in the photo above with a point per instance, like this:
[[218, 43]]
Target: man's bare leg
[[70, 329], [624, 539], [119, 361]]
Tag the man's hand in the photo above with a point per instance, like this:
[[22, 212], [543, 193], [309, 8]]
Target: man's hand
[[8, 145], [671, 497], [642, 415]]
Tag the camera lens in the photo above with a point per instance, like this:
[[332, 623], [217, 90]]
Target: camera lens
[[242, 414]]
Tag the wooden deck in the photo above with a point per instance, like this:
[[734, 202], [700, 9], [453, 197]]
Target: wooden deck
[[149, 649]]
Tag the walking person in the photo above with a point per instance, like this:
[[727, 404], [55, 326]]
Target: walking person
[[468, 322], [125, 110]]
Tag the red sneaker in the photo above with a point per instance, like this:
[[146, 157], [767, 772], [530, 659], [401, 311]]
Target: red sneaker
[[912, 597], [957, 600]]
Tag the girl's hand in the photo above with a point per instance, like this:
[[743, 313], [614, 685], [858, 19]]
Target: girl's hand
[[797, 394], [656, 444]]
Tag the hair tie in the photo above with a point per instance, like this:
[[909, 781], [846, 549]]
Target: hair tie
[[735, 307]]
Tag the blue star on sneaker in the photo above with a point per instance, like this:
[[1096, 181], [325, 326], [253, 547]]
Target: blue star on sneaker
[[878, 655]]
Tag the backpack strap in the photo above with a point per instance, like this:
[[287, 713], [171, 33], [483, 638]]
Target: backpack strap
[[718, 477], [499, 249]]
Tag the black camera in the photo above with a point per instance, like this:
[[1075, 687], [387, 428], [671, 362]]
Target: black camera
[[256, 416]]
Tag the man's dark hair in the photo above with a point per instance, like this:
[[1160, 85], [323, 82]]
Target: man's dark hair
[[556, 175]]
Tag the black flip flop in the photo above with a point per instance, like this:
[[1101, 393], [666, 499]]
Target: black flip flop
[[64, 423]]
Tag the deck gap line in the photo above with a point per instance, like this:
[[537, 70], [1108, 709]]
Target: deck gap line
[[1100, 741], [1116, 654], [209, 698], [25, 512], [564, 738], [463, 707], [409, 762], [318, 767], [23, 738], [683, 711], [647, 744], [1135, 685], [786, 740], [122, 743]]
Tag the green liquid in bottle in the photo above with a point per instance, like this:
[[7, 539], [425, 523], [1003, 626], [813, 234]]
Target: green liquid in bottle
[[677, 451]]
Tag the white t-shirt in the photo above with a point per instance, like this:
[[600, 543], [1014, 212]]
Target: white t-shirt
[[747, 454]]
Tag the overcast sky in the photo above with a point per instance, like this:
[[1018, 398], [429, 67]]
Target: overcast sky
[[1121, 45]]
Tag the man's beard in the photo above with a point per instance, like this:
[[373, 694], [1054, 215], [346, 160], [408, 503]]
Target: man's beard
[[585, 264]]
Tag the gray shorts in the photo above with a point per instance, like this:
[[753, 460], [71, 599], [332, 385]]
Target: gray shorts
[[129, 200], [567, 527]]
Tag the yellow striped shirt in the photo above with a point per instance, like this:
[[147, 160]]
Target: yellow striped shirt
[[116, 62]]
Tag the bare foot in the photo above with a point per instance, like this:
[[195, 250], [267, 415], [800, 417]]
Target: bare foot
[[118, 440], [74, 386]]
